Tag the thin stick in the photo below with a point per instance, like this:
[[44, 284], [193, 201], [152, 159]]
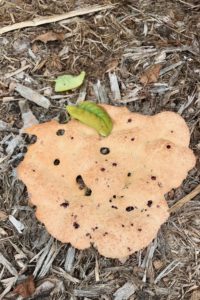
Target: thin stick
[[8, 75], [185, 199], [50, 19]]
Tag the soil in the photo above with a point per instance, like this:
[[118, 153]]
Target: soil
[[124, 40]]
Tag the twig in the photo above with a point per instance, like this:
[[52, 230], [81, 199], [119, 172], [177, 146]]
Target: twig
[[8, 265], [51, 19], [187, 104], [8, 75], [189, 4], [185, 199], [173, 66], [167, 270]]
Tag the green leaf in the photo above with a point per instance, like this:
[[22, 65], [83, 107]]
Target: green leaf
[[69, 82], [92, 115]]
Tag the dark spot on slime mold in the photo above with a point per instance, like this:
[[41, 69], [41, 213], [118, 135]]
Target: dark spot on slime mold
[[149, 203], [76, 225], [129, 208], [65, 204], [60, 132], [104, 150], [56, 162]]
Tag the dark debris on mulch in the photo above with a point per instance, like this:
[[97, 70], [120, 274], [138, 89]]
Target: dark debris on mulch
[[123, 41]]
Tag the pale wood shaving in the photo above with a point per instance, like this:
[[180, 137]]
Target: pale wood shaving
[[42, 255], [100, 92], [114, 86], [51, 19], [27, 116], [125, 291], [65, 275], [7, 265], [32, 95], [96, 270], [16, 223], [171, 67], [69, 259], [189, 101], [8, 75], [53, 252], [10, 283], [148, 258]]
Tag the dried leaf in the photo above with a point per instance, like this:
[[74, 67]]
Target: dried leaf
[[112, 65], [16, 223], [26, 288], [195, 295], [49, 37], [3, 216], [92, 115], [69, 82], [151, 74]]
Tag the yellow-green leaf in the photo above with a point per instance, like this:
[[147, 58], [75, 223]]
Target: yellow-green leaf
[[92, 115], [69, 82]]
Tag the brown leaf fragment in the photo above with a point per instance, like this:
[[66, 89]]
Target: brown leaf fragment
[[158, 264], [50, 36], [26, 288], [195, 295], [151, 74], [3, 216], [112, 65]]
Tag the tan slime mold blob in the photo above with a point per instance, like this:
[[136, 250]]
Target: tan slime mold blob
[[108, 192]]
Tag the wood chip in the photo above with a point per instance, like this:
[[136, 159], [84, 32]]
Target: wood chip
[[53, 252], [8, 75], [189, 101], [82, 94], [41, 257], [132, 95], [148, 258], [5, 126], [9, 285], [12, 144], [96, 270], [171, 67], [125, 291], [114, 86], [8, 265], [44, 288], [17, 224], [27, 116], [65, 275], [69, 259], [94, 291], [46, 258], [32, 95], [100, 93]]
